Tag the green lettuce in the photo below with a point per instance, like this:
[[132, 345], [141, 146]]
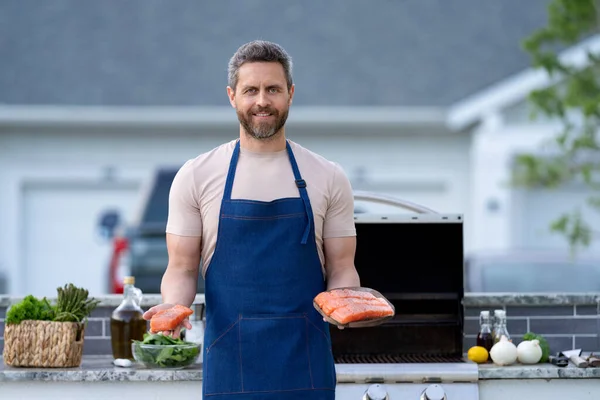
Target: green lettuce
[[30, 308], [168, 356]]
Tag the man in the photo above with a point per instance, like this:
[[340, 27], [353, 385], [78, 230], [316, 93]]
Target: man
[[273, 225]]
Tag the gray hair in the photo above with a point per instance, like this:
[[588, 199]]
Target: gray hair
[[259, 51]]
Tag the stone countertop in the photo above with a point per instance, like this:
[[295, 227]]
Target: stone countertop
[[101, 369], [537, 371], [470, 299], [106, 300], [530, 299]]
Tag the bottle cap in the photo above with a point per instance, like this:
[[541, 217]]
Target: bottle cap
[[485, 314], [129, 280]]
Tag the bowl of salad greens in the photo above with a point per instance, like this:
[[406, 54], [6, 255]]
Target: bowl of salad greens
[[160, 351]]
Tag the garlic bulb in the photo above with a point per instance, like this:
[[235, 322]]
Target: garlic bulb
[[529, 352], [503, 352]]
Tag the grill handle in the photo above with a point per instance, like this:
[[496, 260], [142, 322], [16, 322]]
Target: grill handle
[[392, 201]]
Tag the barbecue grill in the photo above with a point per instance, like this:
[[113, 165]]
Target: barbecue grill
[[416, 262]]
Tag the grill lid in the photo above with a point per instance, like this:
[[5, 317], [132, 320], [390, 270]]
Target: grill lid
[[408, 254], [416, 262]]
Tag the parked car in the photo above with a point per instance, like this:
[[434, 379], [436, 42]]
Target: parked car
[[139, 247], [530, 271]]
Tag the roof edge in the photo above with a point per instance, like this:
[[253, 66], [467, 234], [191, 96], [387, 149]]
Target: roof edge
[[514, 88], [194, 116]]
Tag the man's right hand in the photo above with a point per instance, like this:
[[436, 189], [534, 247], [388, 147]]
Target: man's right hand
[[178, 285], [174, 333]]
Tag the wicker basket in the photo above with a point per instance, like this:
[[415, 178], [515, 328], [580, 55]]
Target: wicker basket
[[43, 344]]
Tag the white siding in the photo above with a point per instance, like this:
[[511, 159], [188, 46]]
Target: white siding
[[87, 158], [521, 113], [536, 209], [432, 170], [506, 217]]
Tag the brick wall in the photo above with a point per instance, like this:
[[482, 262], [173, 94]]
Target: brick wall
[[564, 326]]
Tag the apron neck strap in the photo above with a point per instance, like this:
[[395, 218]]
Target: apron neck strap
[[231, 173], [301, 184]]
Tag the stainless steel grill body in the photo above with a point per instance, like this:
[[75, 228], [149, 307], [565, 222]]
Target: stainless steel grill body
[[416, 261]]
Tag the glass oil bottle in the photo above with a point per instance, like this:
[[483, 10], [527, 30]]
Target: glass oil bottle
[[500, 326], [126, 322], [484, 337]]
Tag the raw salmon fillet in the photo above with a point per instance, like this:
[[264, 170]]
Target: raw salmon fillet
[[347, 305], [169, 319], [360, 312], [354, 294], [342, 294]]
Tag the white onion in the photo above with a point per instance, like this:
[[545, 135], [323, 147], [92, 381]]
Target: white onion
[[503, 352], [529, 352]]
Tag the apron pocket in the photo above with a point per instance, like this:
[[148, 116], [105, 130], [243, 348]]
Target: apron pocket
[[222, 364], [274, 353], [321, 357]]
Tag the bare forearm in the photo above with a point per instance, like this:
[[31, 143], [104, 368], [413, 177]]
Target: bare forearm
[[343, 277], [178, 285]]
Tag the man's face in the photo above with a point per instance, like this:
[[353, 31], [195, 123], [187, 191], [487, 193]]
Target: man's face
[[261, 98]]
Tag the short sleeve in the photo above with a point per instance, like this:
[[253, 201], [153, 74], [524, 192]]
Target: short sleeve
[[339, 217], [184, 218]]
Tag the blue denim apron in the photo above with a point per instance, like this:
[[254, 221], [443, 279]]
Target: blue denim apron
[[264, 339]]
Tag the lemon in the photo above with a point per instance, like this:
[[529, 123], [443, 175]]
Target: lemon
[[478, 354]]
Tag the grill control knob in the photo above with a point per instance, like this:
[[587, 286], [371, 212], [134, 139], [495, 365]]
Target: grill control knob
[[376, 392], [434, 392]]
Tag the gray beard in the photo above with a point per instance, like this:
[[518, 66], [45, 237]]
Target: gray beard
[[262, 131]]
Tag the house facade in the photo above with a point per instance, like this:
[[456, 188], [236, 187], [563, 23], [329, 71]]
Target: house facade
[[95, 98], [499, 119], [58, 176]]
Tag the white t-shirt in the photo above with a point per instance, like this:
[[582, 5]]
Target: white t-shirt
[[197, 190]]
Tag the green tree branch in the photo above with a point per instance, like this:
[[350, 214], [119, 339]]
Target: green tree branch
[[575, 102]]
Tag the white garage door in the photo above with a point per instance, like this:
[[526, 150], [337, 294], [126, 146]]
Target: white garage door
[[539, 208], [61, 240]]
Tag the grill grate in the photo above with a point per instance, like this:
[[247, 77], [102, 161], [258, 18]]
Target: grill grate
[[394, 359]]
